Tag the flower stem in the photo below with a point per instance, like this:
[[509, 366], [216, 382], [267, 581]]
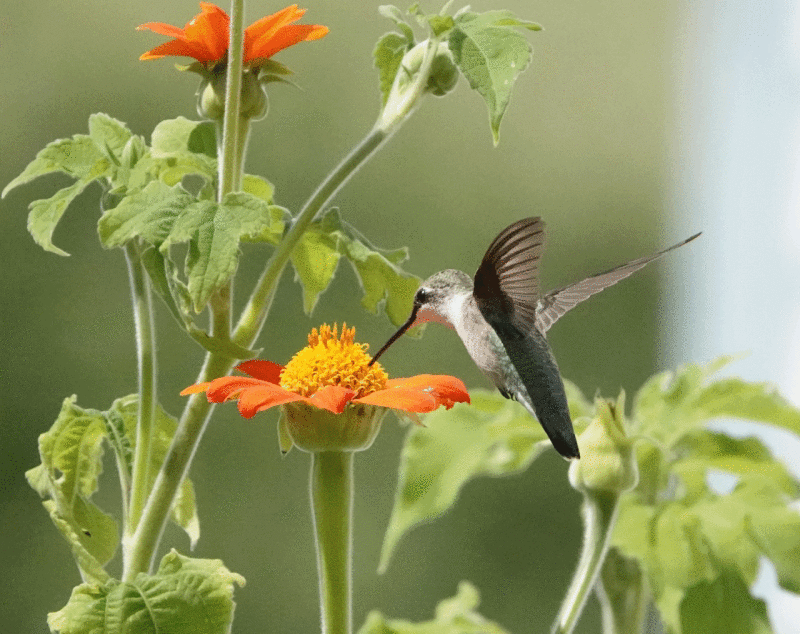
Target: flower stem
[[331, 488], [599, 516], [233, 128], [146, 370], [257, 309]]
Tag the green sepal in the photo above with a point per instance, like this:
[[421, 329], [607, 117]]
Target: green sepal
[[185, 596], [491, 54], [285, 442], [456, 615], [328, 239], [71, 452], [492, 436]]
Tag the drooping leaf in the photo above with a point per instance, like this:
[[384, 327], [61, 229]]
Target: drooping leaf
[[71, 452], [185, 596], [456, 615], [46, 213], [491, 54], [317, 255], [492, 436]]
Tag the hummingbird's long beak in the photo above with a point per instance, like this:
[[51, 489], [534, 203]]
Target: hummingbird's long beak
[[409, 322]]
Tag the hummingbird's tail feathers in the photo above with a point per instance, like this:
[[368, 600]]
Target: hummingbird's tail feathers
[[541, 390], [553, 305]]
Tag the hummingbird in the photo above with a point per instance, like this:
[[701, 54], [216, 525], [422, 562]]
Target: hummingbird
[[502, 318]]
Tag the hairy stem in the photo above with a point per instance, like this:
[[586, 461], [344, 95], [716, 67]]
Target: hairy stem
[[599, 516], [146, 370], [331, 488]]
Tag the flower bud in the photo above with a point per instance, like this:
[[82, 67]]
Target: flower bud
[[211, 96], [608, 462], [314, 429], [444, 72]]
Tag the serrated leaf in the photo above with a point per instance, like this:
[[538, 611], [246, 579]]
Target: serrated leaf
[[457, 615], [109, 134], [492, 436], [71, 452], [203, 139], [185, 596], [150, 214], [388, 55], [670, 405], [491, 54], [46, 213], [317, 255], [78, 157], [184, 509], [214, 231], [723, 606]]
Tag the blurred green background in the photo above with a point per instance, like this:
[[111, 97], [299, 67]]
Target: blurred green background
[[584, 144]]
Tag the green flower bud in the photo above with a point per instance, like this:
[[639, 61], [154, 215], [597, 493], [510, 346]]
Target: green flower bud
[[608, 461], [211, 96], [314, 429], [444, 72]]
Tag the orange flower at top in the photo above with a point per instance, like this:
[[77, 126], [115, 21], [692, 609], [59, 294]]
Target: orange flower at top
[[205, 37], [329, 374]]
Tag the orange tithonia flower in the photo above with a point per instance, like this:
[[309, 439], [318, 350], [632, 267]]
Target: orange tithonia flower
[[205, 36], [332, 399]]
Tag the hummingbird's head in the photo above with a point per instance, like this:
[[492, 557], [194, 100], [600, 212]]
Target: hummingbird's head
[[437, 299]]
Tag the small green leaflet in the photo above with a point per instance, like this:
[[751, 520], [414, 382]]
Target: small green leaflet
[[388, 54], [492, 436], [185, 596], [316, 258], [457, 615], [491, 54]]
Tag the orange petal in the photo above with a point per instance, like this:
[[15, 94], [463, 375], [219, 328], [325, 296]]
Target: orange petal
[[197, 387], [261, 369], [333, 398], [209, 29], [161, 29], [227, 387], [266, 47], [263, 396], [179, 48], [267, 25], [406, 399], [447, 389]]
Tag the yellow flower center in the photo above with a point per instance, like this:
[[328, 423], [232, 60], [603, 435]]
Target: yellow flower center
[[331, 359]]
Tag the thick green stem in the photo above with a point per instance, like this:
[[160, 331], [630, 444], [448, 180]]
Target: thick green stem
[[146, 370], [331, 488], [599, 516], [233, 129]]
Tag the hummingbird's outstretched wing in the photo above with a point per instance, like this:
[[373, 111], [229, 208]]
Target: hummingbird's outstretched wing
[[553, 305], [507, 290]]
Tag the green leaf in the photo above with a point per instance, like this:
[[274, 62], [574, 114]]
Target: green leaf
[[258, 187], [317, 254], [71, 453], [456, 615], [184, 510], [395, 15], [46, 213], [388, 54], [78, 157], [492, 436], [185, 596], [203, 139], [491, 54], [669, 405], [723, 606], [149, 213], [186, 148], [109, 135]]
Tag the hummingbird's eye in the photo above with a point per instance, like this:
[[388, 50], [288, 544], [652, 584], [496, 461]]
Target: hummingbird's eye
[[422, 296]]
